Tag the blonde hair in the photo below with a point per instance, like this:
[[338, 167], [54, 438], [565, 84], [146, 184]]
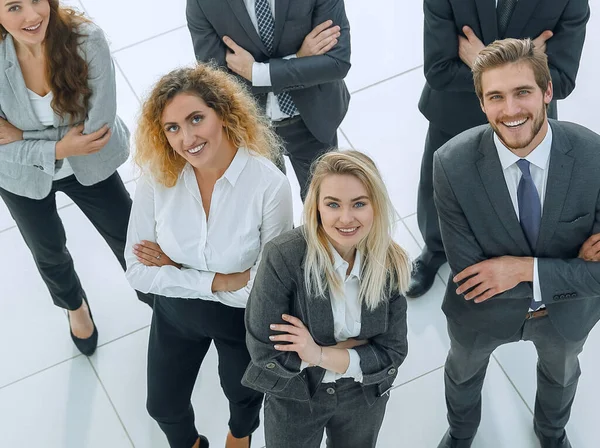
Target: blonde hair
[[245, 125], [511, 51], [385, 266]]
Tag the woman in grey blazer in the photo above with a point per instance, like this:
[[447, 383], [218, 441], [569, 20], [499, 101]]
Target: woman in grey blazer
[[59, 132], [326, 318]]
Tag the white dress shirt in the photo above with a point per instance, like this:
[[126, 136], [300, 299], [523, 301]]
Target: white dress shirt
[[539, 160], [261, 71], [346, 309], [42, 107], [251, 204]]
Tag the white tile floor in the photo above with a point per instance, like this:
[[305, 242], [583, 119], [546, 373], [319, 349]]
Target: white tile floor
[[51, 396]]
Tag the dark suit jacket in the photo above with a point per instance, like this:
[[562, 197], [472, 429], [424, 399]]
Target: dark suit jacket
[[315, 83], [448, 99], [278, 289], [478, 222]]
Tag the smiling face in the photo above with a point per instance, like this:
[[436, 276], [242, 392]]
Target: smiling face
[[195, 131], [25, 20], [346, 211], [515, 106]]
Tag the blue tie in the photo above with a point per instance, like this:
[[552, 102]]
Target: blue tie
[[266, 30], [530, 210]]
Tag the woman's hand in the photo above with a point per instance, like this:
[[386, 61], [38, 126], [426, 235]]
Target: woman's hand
[[350, 343], [299, 338], [150, 254], [9, 133], [75, 143], [230, 282]]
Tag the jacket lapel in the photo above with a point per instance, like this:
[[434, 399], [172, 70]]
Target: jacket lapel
[[520, 17], [494, 184], [487, 20], [281, 10], [15, 78], [373, 321], [319, 315], [557, 185], [241, 13]]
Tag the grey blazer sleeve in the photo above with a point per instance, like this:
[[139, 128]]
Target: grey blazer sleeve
[[299, 73], [461, 245], [387, 350], [444, 70], [570, 279], [270, 297], [565, 47]]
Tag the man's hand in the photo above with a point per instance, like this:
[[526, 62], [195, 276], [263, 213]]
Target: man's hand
[[238, 60], [9, 133], [590, 250], [320, 40], [494, 276], [540, 41], [469, 48]]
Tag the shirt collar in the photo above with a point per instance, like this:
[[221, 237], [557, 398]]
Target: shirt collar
[[539, 156], [339, 262], [233, 171]]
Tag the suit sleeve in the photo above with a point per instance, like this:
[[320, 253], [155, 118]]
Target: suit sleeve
[[444, 70], [570, 279], [208, 46], [461, 245], [299, 73], [565, 47], [387, 350]]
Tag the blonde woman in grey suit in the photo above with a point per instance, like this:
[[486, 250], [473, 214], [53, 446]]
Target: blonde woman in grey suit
[[59, 132]]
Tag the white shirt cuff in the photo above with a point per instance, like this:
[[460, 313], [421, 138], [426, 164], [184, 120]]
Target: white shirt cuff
[[303, 365], [261, 74], [537, 290], [354, 370]]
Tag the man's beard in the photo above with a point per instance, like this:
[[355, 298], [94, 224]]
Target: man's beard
[[538, 122]]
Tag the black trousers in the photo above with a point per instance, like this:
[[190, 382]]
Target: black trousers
[[426, 212], [303, 149], [181, 333], [340, 409], [106, 204]]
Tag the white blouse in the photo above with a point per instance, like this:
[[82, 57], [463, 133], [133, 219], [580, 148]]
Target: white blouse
[[42, 106], [251, 204]]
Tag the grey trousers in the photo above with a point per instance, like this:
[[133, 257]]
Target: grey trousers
[[557, 375], [339, 408]]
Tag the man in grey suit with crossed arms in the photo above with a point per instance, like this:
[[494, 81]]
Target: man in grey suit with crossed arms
[[294, 56], [518, 202]]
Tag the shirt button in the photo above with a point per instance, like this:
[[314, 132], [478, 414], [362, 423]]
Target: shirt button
[[330, 390], [270, 365], [392, 371]]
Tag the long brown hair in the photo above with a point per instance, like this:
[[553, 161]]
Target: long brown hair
[[66, 69], [245, 125]]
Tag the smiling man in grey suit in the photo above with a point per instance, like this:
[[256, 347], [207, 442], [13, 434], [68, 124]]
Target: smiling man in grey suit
[[519, 202], [455, 31], [293, 55]]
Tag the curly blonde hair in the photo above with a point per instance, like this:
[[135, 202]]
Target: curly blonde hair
[[244, 123]]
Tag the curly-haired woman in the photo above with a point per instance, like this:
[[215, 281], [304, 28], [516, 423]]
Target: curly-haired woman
[[59, 132], [209, 200]]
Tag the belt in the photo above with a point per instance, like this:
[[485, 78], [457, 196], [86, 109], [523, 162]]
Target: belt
[[286, 121], [536, 314]]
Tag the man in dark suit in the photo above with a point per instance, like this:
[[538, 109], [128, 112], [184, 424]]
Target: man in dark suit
[[519, 202], [296, 74], [455, 31]]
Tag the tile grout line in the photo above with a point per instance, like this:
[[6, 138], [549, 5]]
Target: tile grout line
[[416, 378], [124, 336], [127, 81], [111, 402], [37, 372], [346, 137], [126, 47], [386, 80], [513, 384]]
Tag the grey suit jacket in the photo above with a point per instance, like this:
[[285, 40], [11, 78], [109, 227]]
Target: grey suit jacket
[[278, 289], [478, 222], [27, 167], [315, 83], [448, 99]]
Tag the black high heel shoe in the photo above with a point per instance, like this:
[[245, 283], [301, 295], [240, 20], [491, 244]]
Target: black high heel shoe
[[203, 441], [86, 346]]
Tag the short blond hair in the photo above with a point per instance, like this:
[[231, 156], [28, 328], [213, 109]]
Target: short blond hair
[[244, 123], [511, 51]]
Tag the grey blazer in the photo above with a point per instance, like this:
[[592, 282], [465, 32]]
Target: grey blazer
[[478, 222], [27, 167], [448, 99], [279, 288], [315, 83]]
